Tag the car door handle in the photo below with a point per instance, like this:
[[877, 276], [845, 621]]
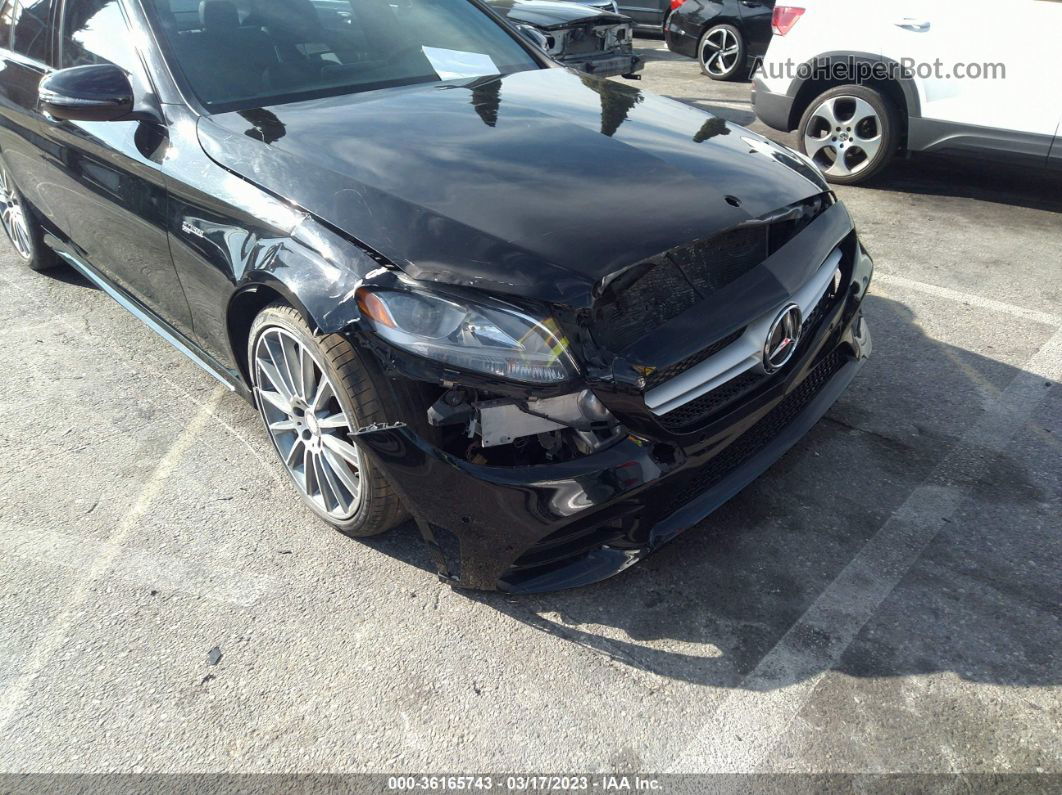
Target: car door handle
[[910, 23]]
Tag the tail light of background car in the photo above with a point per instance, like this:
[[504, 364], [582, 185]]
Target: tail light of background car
[[783, 19], [676, 3]]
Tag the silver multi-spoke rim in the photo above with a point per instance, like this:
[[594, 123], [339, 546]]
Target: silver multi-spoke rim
[[719, 52], [843, 136], [13, 216], [309, 427]]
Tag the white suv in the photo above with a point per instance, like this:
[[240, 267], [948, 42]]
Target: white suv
[[862, 80]]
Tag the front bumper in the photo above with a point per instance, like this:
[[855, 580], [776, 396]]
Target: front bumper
[[544, 528], [605, 64]]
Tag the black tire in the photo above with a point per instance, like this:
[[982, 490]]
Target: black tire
[[722, 67], [360, 398], [29, 247], [845, 140]]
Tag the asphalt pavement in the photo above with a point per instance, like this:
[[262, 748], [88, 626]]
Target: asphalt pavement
[[884, 599]]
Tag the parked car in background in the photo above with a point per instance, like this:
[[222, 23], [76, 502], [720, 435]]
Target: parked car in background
[[604, 5], [585, 36], [725, 37], [862, 81], [648, 15]]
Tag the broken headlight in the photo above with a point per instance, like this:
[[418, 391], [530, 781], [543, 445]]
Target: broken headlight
[[497, 341]]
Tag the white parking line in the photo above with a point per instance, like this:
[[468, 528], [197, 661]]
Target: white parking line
[[57, 632], [751, 719], [268, 465], [891, 280]]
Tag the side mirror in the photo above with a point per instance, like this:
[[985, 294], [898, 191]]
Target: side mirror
[[535, 36], [99, 92]]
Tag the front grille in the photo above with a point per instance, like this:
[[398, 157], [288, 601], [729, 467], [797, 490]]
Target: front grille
[[756, 438], [699, 410], [656, 291], [664, 374], [811, 322]]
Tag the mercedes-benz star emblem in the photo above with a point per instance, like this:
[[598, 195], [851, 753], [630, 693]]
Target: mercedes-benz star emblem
[[782, 339]]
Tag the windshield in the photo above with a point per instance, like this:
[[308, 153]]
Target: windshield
[[250, 53]]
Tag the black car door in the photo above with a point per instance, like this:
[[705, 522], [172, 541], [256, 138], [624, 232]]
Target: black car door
[[756, 22], [25, 49], [645, 13], [107, 175]]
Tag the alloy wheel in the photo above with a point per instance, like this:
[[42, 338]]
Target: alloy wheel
[[719, 52], [307, 423], [843, 136], [13, 217]]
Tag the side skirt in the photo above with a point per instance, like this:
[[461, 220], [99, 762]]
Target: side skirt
[[931, 135], [149, 319]]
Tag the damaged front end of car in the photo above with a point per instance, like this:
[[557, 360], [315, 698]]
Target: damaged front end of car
[[551, 446], [598, 47], [596, 41]]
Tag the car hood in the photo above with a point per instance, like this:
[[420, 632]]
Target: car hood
[[538, 184], [550, 14]]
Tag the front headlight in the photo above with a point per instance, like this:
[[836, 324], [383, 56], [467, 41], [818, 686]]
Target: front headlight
[[497, 341]]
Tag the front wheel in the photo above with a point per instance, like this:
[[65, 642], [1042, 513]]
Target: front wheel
[[721, 52], [22, 228], [850, 132], [313, 392]]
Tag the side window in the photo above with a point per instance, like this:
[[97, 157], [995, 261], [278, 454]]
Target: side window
[[95, 31], [29, 29], [7, 18]]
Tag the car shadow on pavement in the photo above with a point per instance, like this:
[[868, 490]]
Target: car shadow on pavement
[[966, 178], [67, 275], [649, 54], [980, 599]]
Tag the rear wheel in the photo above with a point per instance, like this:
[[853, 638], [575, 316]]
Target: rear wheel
[[721, 52], [850, 132], [22, 228], [313, 392]]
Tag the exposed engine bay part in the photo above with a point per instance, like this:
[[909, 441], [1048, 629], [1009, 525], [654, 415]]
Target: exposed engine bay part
[[578, 419]]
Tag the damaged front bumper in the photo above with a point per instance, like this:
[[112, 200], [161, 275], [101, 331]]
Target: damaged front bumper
[[563, 525]]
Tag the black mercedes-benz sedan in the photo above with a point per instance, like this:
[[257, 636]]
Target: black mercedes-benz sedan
[[554, 320]]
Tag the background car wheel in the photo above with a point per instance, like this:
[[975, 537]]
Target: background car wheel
[[851, 132], [721, 52], [21, 226], [312, 391]]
